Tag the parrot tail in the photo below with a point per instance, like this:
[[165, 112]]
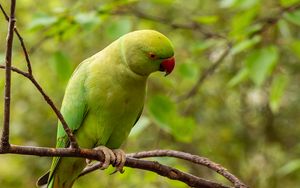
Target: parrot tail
[[43, 180]]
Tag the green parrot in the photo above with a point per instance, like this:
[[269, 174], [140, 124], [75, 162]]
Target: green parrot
[[105, 97]]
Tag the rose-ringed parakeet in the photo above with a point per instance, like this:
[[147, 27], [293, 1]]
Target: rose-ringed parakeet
[[105, 97]]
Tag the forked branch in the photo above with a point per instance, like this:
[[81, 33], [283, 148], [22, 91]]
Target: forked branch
[[30, 76], [7, 89]]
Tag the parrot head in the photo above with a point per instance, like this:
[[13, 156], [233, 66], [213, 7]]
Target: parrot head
[[147, 51]]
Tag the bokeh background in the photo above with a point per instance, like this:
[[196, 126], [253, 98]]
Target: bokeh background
[[245, 115]]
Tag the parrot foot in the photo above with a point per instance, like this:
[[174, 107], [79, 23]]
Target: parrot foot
[[120, 160], [109, 157]]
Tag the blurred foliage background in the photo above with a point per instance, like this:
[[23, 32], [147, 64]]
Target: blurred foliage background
[[245, 115]]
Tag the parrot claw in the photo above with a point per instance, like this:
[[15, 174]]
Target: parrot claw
[[109, 156], [88, 162], [120, 160], [116, 157]]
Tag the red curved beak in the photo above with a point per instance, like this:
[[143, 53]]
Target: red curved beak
[[167, 65]]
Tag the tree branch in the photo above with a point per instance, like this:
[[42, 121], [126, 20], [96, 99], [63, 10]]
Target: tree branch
[[162, 170], [205, 74], [30, 76], [25, 74], [21, 42], [192, 158], [7, 90], [271, 21], [153, 166], [191, 25]]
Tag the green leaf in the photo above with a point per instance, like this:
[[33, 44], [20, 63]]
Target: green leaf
[[290, 167], [245, 4], [188, 70], [162, 108], [277, 89], [165, 2], [87, 19], [165, 114], [261, 63], [295, 46], [239, 77], [200, 46], [242, 4], [182, 128], [228, 3], [138, 128], [112, 5], [293, 17], [284, 28], [71, 31], [288, 2], [206, 19], [245, 44], [117, 28], [60, 27], [241, 23], [42, 21], [62, 65]]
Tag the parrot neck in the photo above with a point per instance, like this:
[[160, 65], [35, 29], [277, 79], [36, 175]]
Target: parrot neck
[[123, 55], [125, 60], [121, 67]]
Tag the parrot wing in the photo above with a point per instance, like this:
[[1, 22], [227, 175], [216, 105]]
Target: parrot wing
[[74, 110], [138, 117]]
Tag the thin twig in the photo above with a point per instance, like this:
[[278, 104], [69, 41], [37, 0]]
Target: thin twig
[[21, 42], [49, 101], [4, 13], [271, 21], [25, 74], [192, 158], [7, 91], [206, 73], [153, 166], [73, 142], [191, 25], [29, 69]]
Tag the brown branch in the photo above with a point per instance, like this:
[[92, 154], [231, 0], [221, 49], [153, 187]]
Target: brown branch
[[269, 22], [29, 69], [172, 173], [21, 42], [25, 74], [188, 26], [73, 142], [206, 73], [192, 158], [191, 25], [7, 91], [48, 100], [30, 76], [162, 170], [153, 166]]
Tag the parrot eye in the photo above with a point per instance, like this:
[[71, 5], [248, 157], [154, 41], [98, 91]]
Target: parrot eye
[[152, 55]]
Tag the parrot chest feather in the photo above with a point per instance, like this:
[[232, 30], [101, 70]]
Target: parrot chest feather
[[113, 108]]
